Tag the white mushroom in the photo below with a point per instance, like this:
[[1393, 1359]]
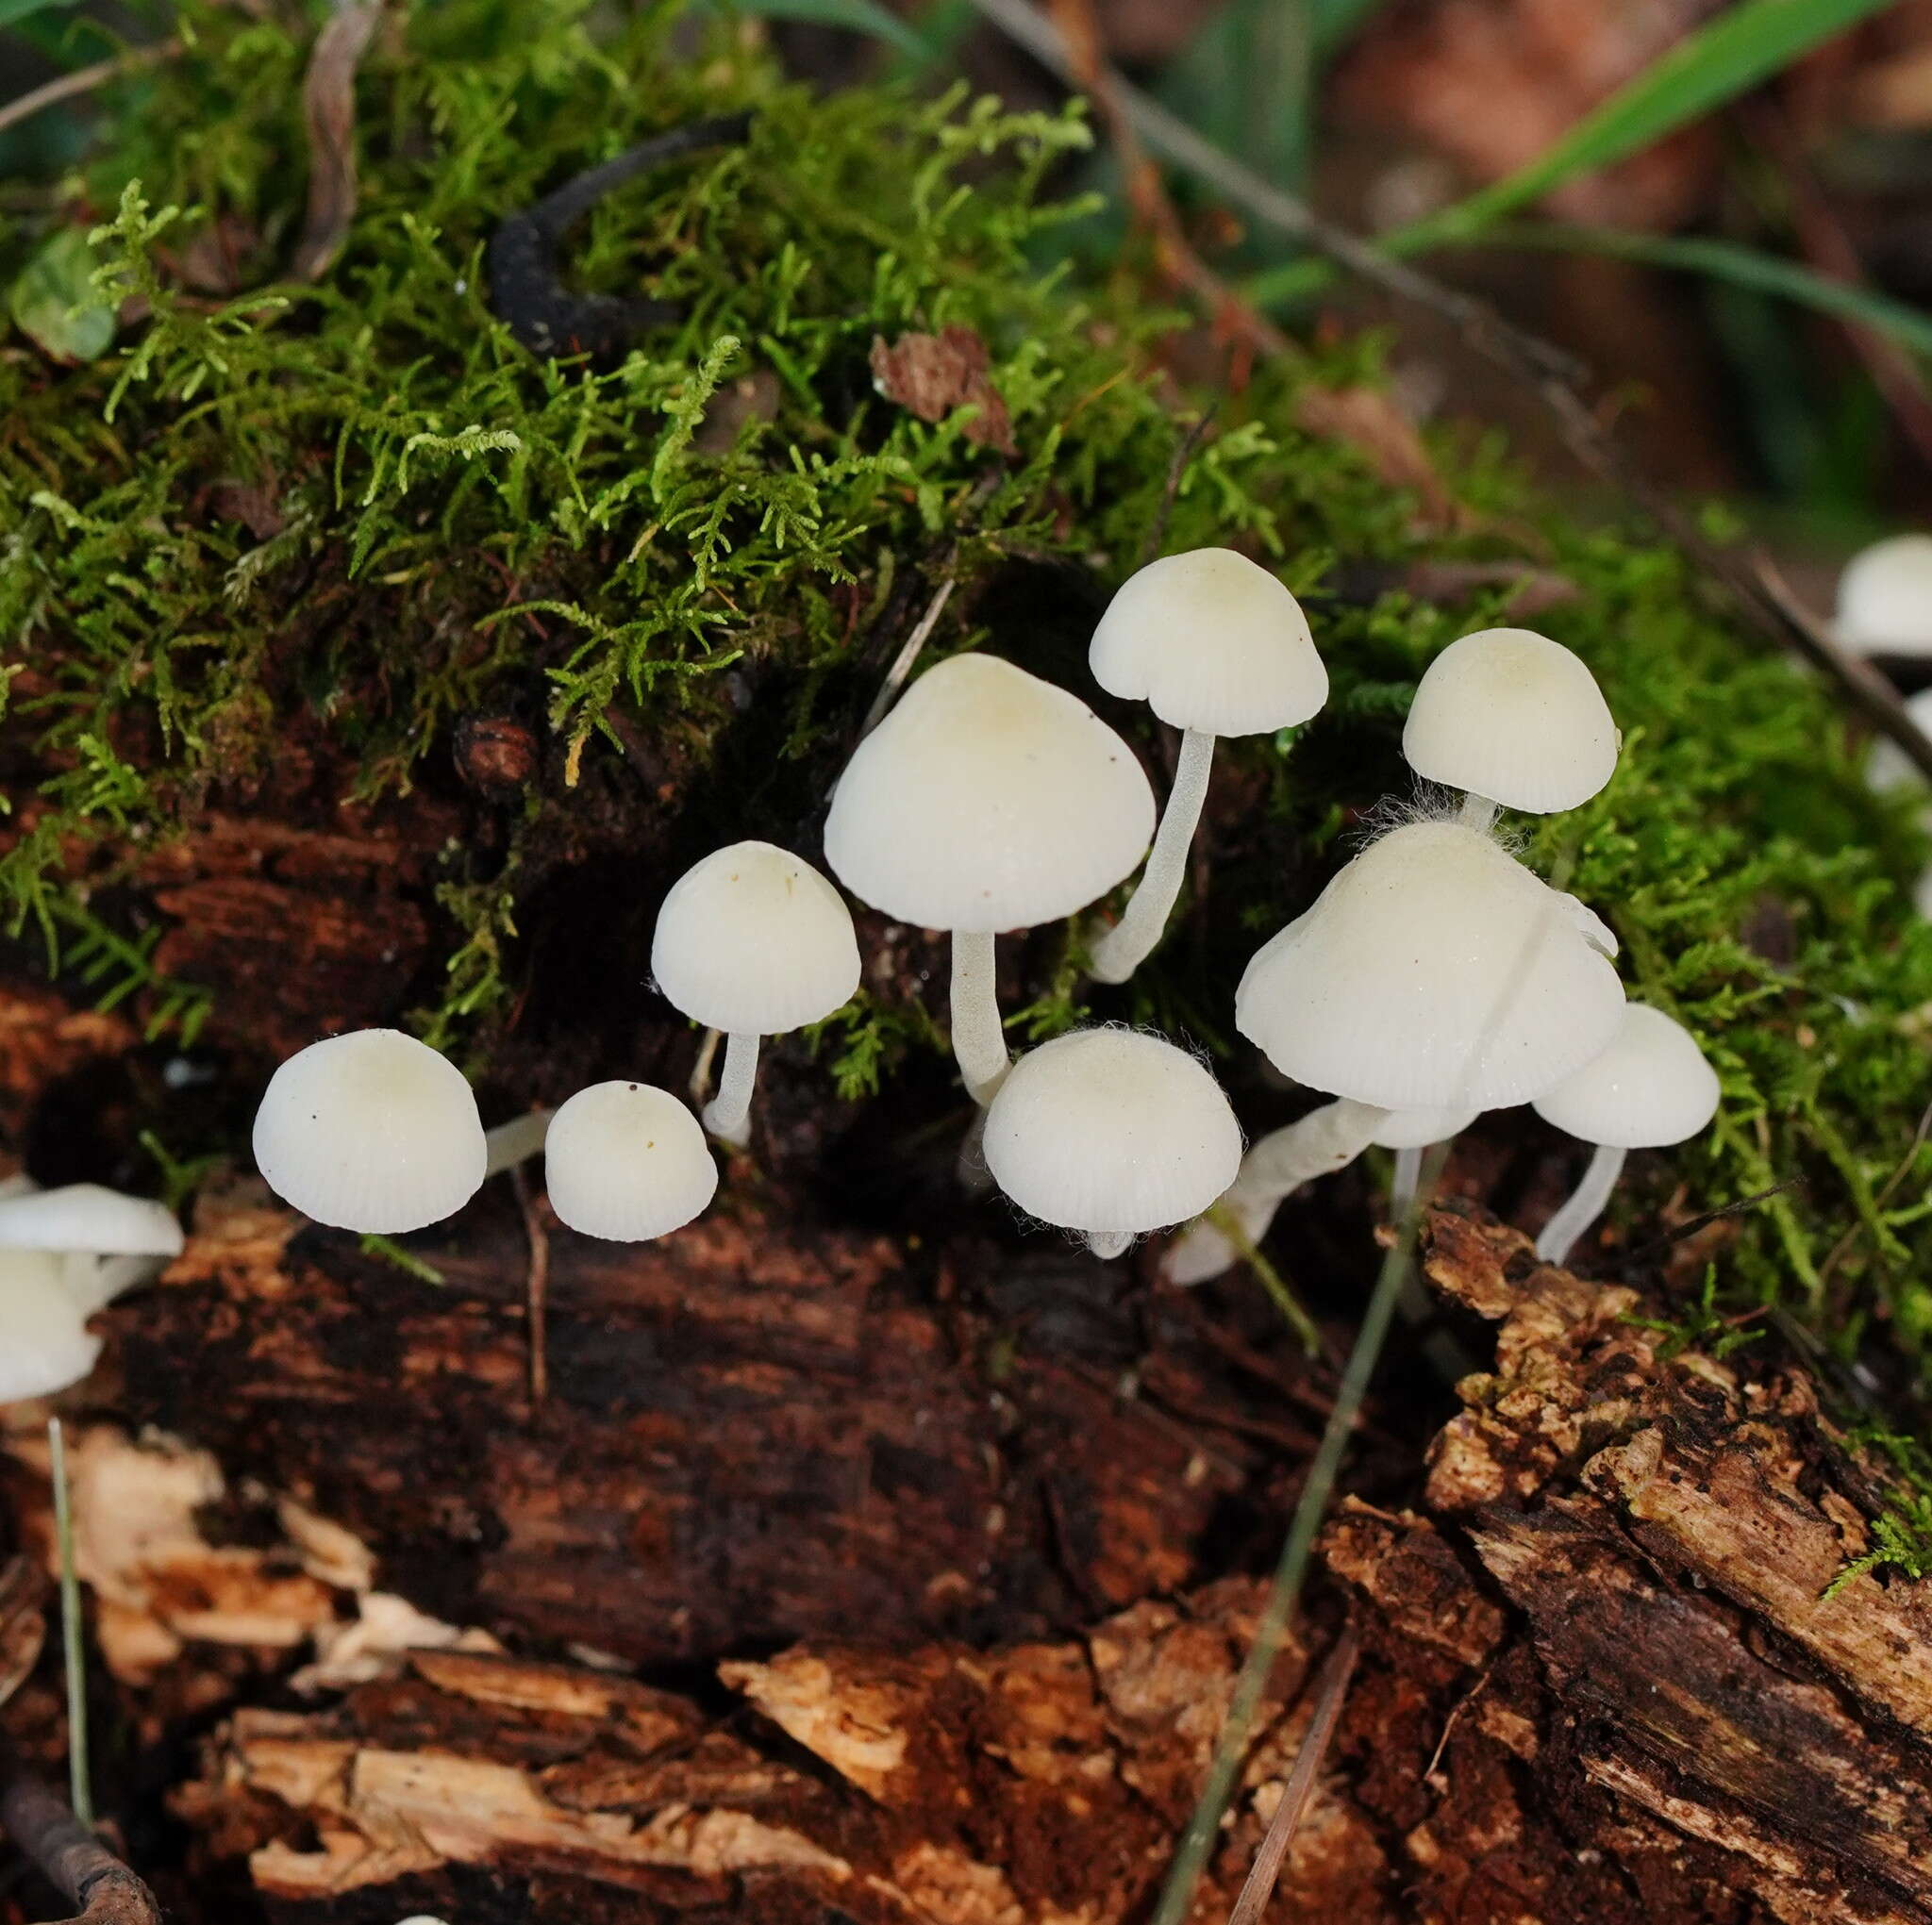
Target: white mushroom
[[1112, 1132], [84, 1217], [986, 800], [1215, 646], [628, 1162], [1513, 719], [1884, 598], [753, 942], [1433, 972], [1408, 1133], [1649, 1088], [44, 1343], [372, 1130]]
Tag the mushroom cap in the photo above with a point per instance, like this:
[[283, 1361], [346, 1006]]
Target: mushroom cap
[[1649, 1088], [1416, 1129], [1108, 1129], [1509, 714], [988, 799], [1886, 769], [1433, 972], [1884, 598], [754, 939], [44, 1342], [86, 1217], [1211, 641], [627, 1162], [371, 1131]]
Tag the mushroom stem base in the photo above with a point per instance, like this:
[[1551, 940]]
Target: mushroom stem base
[[727, 1115], [979, 1040], [1324, 1142], [1585, 1204], [1116, 954]]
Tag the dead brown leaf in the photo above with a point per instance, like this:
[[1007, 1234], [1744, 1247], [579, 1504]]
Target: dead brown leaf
[[932, 374], [329, 105]]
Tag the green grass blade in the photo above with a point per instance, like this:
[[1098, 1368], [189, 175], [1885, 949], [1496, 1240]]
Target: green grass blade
[[79, 1778], [1745, 45], [856, 16], [1742, 266], [14, 11]]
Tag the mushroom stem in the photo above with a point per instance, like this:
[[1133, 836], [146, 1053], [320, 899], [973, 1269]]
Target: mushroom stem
[[979, 1041], [1408, 1170], [1585, 1206], [1324, 1142], [727, 1115], [514, 1142], [1115, 955], [1110, 1243], [1478, 812]]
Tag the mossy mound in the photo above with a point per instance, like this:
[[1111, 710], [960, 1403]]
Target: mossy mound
[[358, 513]]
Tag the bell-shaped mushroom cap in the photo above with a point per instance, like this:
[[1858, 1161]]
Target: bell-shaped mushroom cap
[[627, 1161], [1649, 1088], [1211, 641], [1884, 598], [86, 1217], [1110, 1130], [372, 1130], [754, 939], [988, 799], [1416, 1129], [44, 1344], [1510, 715], [1433, 972]]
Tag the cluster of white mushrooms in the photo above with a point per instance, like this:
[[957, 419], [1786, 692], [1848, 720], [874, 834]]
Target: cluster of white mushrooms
[[1436, 976]]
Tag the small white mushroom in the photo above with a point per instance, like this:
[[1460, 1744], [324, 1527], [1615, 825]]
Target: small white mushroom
[[1884, 598], [44, 1343], [84, 1217], [986, 800], [1408, 1133], [1112, 1132], [1649, 1088], [1216, 646], [627, 1162], [372, 1130], [753, 942], [1513, 719], [1433, 972]]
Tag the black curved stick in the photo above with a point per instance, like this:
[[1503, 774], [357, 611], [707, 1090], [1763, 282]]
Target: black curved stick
[[526, 286], [75, 1862]]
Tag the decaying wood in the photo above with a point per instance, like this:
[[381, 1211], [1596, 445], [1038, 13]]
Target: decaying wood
[[1599, 1683], [757, 1429]]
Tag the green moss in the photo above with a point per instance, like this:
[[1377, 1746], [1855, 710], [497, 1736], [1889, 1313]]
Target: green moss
[[454, 526]]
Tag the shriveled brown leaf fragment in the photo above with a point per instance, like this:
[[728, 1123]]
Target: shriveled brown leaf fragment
[[329, 105], [932, 374]]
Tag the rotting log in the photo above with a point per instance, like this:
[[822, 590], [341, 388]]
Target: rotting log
[[757, 1429], [1599, 1683]]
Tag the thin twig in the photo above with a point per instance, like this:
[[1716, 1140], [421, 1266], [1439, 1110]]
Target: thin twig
[[1184, 454], [69, 1857], [84, 80], [1330, 1691], [1549, 373], [536, 1288], [1647, 1252], [81, 1784], [903, 661]]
